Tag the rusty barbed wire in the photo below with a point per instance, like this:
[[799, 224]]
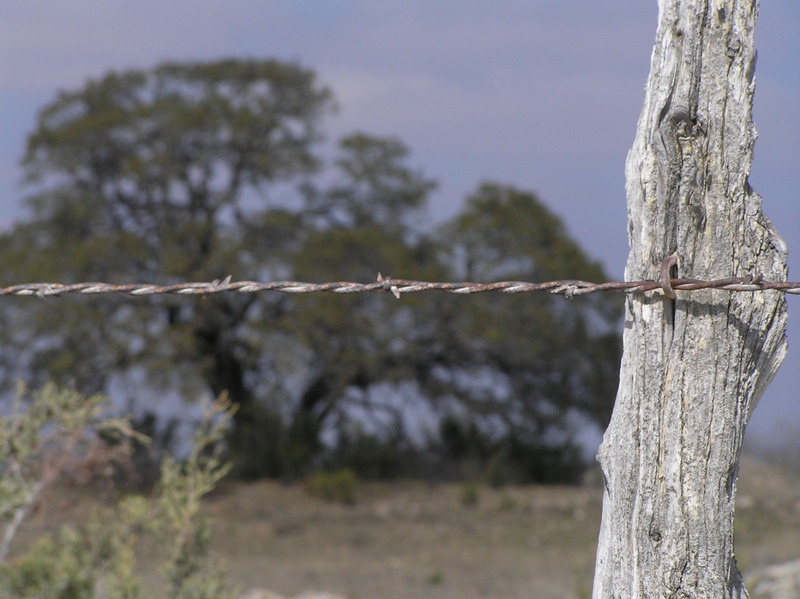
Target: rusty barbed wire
[[398, 287]]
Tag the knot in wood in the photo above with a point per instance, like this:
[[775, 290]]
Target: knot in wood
[[655, 536]]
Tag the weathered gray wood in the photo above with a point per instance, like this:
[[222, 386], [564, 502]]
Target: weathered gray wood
[[693, 368]]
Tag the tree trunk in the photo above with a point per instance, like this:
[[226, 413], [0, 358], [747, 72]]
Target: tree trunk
[[694, 367]]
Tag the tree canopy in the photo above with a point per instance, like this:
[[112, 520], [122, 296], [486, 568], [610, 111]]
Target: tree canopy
[[197, 171]]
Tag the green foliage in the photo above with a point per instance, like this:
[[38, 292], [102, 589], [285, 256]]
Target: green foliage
[[469, 493], [370, 456], [196, 171], [60, 568], [339, 486], [513, 457], [50, 434], [182, 486], [551, 357], [99, 558], [435, 578], [496, 472], [506, 503]]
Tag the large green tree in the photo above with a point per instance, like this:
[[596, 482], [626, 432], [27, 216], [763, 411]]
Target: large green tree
[[202, 170], [521, 372], [163, 175]]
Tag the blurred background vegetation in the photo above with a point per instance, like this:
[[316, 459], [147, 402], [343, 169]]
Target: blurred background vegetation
[[197, 171]]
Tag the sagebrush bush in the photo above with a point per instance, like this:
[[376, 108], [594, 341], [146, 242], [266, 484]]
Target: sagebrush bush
[[469, 493], [338, 486], [55, 433]]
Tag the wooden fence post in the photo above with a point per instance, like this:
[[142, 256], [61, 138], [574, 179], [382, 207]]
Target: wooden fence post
[[693, 367]]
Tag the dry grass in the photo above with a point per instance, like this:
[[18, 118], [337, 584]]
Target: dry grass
[[413, 540]]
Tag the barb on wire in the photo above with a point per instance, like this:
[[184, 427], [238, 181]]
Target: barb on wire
[[398, 287]]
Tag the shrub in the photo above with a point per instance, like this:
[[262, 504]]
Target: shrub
[[339, 486], [469, 495], [56, 433]]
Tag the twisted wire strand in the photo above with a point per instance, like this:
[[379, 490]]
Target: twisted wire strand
[[398, 287]]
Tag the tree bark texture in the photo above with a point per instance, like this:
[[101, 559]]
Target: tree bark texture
[[694, 367]]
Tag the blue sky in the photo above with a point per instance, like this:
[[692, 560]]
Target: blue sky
[[540, 94]]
